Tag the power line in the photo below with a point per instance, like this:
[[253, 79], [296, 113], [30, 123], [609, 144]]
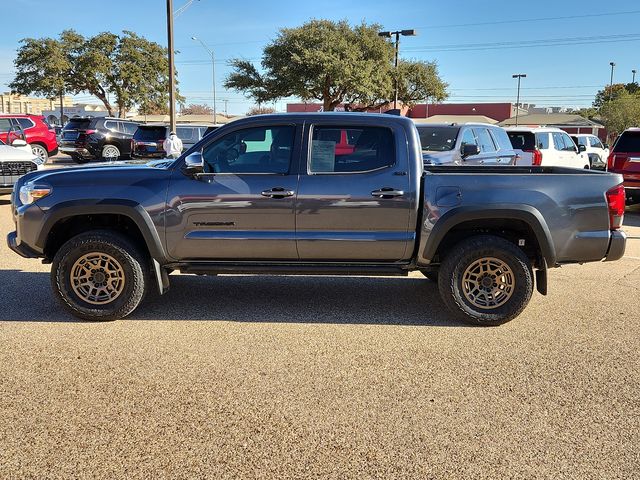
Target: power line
[[529, 20]]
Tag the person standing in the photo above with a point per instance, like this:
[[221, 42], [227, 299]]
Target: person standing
[[172, 145]]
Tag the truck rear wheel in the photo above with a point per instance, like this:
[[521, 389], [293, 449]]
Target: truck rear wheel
[[99, 275], [486, 280]]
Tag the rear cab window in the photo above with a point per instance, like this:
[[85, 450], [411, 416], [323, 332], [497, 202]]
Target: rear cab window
[[350, 149]]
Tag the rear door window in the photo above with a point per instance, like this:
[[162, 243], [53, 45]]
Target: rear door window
[[25, 123], [485, 141], [372, 149], [629, 142], [595, 142], [542, 141], [5, 125]]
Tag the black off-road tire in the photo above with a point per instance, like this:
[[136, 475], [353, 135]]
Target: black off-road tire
[[462, 256], [133, 263]]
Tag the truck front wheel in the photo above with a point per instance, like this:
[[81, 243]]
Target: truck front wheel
[[99, 275], [486, 280]]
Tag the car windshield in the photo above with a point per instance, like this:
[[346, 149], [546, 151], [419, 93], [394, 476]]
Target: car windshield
[[150, 134], [629, 142], [522, 140], [77, 124], [438, 139]]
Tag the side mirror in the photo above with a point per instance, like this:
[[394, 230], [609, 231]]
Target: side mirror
[[19, 143], [193, 164], [469, 150], [582, 148], [605, 145]]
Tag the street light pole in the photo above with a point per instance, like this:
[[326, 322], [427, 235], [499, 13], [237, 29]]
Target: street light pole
[[213, 76], [611, 81], [518, 76], [172, 68], [397, 33]]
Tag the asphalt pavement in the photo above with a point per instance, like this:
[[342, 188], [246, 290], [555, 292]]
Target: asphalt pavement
[[320, 377]]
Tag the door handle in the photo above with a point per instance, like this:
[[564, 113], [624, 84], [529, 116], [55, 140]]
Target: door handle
[[277, 192], [387, 192]]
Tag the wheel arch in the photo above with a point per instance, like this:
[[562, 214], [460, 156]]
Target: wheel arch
[[459, 223], [71, 218]]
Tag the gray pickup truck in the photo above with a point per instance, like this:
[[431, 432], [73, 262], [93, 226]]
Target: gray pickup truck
[[312, 194]]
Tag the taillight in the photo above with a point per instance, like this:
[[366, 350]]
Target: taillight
[[537, 157], [89, 132], [611, 161], [615, 202]]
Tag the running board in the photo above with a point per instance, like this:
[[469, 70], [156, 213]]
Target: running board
[[209, 268]]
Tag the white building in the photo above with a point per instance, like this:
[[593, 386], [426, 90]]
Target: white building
[[77, 110]]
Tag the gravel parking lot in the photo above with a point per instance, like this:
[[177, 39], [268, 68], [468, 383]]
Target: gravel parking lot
[[308, 377]]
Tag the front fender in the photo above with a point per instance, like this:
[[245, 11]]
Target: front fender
[[124, 207]]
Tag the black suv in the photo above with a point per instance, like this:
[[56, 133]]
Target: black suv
[[148, 139], [86, 138]]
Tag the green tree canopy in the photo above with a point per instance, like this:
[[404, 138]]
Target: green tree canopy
[[131, 68], [335, 63], [611, 92], [621, 113]]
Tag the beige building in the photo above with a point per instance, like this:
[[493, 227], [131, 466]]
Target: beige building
[[12, 103]]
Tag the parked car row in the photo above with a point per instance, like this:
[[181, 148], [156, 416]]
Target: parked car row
[[33, 129], [86, 138]]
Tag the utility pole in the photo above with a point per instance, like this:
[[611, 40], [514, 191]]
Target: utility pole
[[62, 108], [518, 76], [633, 78], [172, 68], [397, 33], [213, 77], [611, 81]]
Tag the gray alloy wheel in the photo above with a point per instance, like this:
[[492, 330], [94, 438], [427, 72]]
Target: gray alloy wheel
[[40, 151], [110, 152]]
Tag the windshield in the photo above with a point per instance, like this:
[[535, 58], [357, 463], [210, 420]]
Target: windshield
[[438, 139], [150, 134], [77, 124], [629, 142]]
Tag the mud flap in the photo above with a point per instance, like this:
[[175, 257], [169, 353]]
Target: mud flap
[[162, 277], [541, 277]]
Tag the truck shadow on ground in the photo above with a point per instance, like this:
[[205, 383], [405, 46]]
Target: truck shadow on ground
[[632, 216], [278, 299]]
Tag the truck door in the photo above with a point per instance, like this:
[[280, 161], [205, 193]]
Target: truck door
[[242, 206], [354, 200]]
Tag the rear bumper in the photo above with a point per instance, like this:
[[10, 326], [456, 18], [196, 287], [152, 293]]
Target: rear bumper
[[21, 249], [83, 152], [617, 246]]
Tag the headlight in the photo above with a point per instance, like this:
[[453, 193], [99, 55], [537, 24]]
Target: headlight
[[29, 193]]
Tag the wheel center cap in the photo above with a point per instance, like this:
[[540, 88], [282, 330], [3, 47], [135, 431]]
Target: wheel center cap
[[487, 282], [99, 277]]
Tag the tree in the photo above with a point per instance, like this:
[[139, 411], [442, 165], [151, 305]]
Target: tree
[[611, 92], [131, 68], [621, 113], [336, 64], [197, 109], [258, 110]]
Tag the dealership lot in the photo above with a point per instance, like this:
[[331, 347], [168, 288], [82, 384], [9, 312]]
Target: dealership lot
[[247, 376]]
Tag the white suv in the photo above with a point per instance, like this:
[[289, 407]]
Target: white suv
[[547, 146], [594, 148]]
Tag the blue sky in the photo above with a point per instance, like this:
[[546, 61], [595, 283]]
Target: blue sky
[[564, 46]]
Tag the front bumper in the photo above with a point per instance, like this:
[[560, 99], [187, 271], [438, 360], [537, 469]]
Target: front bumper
[[20, 248], [617, 245]]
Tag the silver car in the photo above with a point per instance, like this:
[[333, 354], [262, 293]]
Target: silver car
[[465, 144]]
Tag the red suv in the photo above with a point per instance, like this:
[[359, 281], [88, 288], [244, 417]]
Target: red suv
[[625, 159], [34, 129]]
